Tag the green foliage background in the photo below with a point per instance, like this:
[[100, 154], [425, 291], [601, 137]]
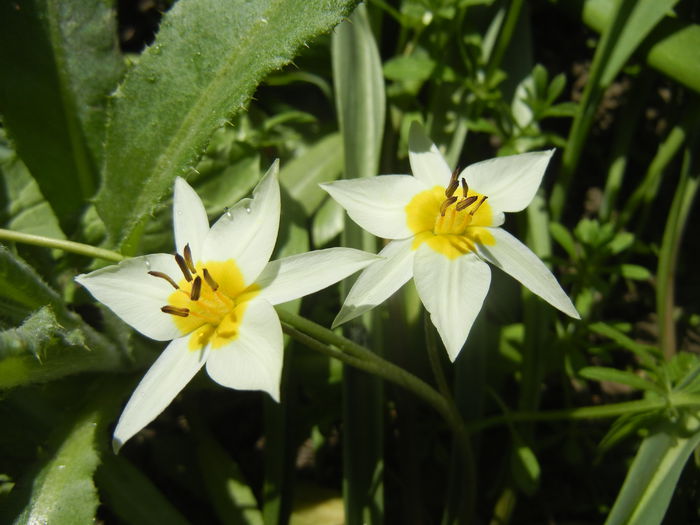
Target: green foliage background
[[565, 421]]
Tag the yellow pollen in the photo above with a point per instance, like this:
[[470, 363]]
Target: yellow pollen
[[450, 226], [215, 304]]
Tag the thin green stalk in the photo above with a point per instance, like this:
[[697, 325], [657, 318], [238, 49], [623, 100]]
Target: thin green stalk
[[66, 246], [668, 255], [622, 144], [586, 109], [323, 340], [504, 36], [434, 357], [676, 399]]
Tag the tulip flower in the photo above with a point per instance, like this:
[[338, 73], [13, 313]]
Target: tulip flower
[[444, 227], [214, 298]]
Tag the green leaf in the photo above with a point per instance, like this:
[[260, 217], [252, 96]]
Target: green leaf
[[22, 290], [328, 223], [635, 272], [644, 351], [207, 59], [640, 17], [27, 210], [233, 499], [60, 489], [131, 495], [59, 61], [322, 162], [602, 373], [564, 238], [525, 468], [360, 103], [41, 350], [414, 68], [652, 478]]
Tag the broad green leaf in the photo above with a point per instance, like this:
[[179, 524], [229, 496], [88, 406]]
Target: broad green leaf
[[670, 49], [328, 223], [640, 18], [131, 496], [41, 350], [359, 94], [59, 61], [360, 104], [60, 488], [22, 290], [207, 59], [652, 478], [27, 210], [322, 162], [602, 373], [233, 499]]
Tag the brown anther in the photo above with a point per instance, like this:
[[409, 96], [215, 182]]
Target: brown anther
[[483, 199], [188, 258], [210, 281], [183, 267], [446, 204], [196, 288], [174, 310], [465, 203], [465, 188], [453, 185], [166, 277]]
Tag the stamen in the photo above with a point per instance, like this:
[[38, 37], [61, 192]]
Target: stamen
[[483, 199], [465, 188], [174, 310], [188, 258], [210, 281], [465, 203], [166, 277], [183, 267], [196, 288], [453, 185], [446, 204]]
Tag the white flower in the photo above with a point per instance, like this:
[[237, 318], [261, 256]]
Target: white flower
[[214, 298], [443, 226]]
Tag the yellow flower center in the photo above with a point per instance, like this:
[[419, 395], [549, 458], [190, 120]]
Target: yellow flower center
[[450, 224], [209, 301]]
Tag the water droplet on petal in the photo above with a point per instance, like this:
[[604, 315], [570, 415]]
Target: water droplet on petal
[[247, 209], [148, 264], [227, 212]]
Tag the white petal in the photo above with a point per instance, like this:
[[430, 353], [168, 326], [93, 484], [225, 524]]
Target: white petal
[[247, 232], [299, 275], [516, 259], [509, 182], [452, 290], [378, 204], [164, 380], [427, 163], [379, 281], [135, 296], [253, 361], [190, 220]]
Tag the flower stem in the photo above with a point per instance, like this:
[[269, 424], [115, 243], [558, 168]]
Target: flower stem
[[67, 246], [331, 344]]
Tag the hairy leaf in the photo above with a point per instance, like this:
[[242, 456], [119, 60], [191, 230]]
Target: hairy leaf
[[207, 59], [59, 62]]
